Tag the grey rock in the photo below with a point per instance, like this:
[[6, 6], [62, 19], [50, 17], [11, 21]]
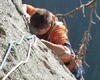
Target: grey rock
[[43, 63]]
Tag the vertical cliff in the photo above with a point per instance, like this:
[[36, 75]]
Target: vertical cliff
[[43, 64]]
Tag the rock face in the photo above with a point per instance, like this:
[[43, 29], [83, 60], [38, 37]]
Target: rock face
[[43, 64]]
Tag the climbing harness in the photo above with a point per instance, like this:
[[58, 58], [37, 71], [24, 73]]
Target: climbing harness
[[22, 62], [11, 44]]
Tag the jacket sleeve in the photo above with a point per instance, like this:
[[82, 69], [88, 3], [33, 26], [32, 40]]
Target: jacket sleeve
[[30, 9]]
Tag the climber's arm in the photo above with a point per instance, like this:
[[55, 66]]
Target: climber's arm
[[26, 14], [24, 7], [61, 50]]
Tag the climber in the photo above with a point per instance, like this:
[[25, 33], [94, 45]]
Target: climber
[[51, 32]]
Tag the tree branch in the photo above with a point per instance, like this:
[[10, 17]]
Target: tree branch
[[77, 9]]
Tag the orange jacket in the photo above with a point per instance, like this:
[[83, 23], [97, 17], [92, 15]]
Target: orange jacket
[[30, 9], [57, 36]]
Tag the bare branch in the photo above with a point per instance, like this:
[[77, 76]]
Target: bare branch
[[85, 40], [64, 21], [77, 9], [96, 11], [87, 36]]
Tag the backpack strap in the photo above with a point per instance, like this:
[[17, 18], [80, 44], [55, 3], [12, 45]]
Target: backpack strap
[[54, 26]]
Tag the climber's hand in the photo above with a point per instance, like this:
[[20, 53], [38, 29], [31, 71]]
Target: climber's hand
[[27, 16]]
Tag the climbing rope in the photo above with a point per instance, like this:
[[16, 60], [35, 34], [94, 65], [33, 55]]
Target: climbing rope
[[80, 70], [8, 51], [22, 62]]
